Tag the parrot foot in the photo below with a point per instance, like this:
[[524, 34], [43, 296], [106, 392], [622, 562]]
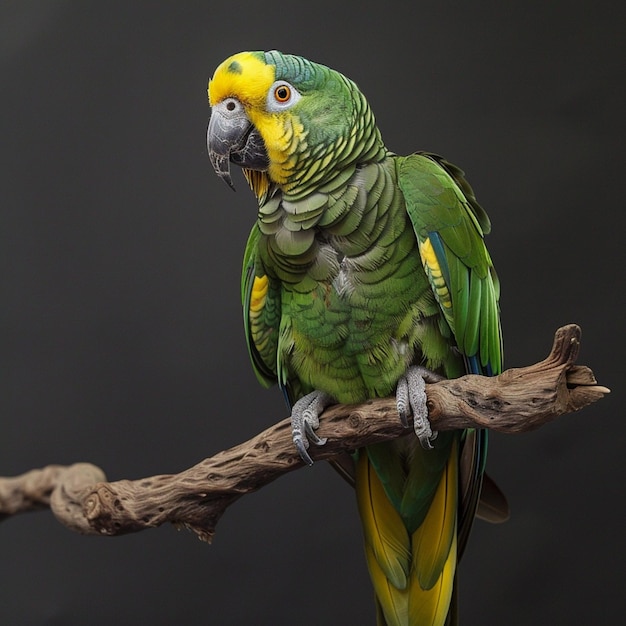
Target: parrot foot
[[411, 398], [305, 419]]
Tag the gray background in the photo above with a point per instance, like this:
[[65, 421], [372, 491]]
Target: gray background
[[121, 338]]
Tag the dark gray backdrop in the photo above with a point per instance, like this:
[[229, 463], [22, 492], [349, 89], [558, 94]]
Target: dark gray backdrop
[[121, 329]]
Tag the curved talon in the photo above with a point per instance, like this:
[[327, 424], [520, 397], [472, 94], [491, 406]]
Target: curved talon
[[312, 435], [301, 446], [424, 432], [411, 398], [305, 419]]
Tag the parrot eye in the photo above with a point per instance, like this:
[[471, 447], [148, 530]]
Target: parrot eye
[[281, 96], [282, 93]]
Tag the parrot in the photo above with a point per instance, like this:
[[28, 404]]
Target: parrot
[[365, 275]]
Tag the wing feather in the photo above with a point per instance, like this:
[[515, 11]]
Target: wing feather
[[444, 212], [261, 313]]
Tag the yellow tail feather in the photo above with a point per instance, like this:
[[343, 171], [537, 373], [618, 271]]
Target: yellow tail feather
[[432, 541], [413, 577], [385, 534], [430, 607]]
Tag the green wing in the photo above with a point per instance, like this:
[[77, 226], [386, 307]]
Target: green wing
[[449, 225], [260, 297]]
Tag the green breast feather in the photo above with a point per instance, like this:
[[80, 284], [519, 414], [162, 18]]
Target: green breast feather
[[397, 270]]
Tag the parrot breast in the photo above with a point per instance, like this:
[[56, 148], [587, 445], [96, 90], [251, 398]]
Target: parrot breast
[[355, 298]]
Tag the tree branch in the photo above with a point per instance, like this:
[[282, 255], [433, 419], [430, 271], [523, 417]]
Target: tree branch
[[518, 400]]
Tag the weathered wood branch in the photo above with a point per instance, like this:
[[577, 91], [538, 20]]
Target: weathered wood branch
[[518, 400]]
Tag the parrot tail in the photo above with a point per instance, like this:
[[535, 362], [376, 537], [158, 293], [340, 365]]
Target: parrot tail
[[413, 571]]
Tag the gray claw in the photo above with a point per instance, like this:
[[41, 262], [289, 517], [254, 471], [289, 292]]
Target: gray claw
[[411, 399], [312, 435], [305, 419], [301, 446]]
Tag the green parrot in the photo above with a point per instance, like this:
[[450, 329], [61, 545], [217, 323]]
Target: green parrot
[[365, 275]]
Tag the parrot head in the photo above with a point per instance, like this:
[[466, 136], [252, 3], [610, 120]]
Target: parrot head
[[289, 123]]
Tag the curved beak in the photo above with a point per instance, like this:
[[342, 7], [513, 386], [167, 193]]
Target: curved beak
[[231, 137]]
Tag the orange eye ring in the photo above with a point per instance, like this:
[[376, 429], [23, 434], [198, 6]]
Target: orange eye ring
[[282, 93]]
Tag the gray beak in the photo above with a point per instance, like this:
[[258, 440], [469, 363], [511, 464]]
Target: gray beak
[[231, 137]]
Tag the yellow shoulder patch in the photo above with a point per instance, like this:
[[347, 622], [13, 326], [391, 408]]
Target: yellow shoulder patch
[[260, 332], [259, 293], [435, 275]]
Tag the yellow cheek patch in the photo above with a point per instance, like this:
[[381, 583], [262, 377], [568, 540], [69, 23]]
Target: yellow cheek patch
[[433, 270], [282, 133], [244, 76]]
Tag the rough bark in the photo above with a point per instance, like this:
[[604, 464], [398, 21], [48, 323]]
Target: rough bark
[[518, 400]]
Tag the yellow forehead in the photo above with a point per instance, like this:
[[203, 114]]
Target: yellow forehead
[[243, 76]]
